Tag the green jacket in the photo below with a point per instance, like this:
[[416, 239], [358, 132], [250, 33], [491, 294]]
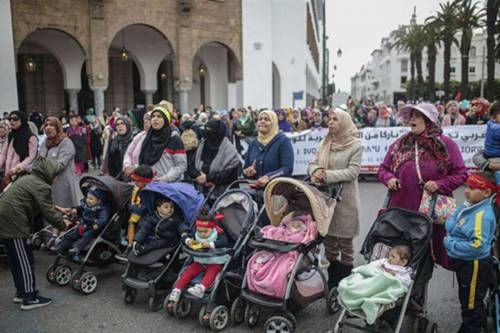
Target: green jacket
[[28, 197]]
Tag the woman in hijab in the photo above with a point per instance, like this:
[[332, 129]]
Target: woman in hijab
[[271, 155], [338, 161], [244, 129], [95, 142], [131, 158], [216, 161], [384, 118], [78, 136], [21, 148], [478, 115], [453, 116], [118, 145], [283, 123], [162, 148], [297, 123]]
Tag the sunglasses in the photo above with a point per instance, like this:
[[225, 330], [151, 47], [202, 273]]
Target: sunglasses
[[13, 119]]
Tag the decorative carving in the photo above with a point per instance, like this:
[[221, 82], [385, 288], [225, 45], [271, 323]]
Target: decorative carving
[[96, 9]]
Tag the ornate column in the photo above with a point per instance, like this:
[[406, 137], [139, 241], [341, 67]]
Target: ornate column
[[73, 99], [99, 104]]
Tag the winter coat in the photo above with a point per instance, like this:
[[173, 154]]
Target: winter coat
[[492, 142], [447, 121], [10, 159], [64, 189], [131, 157], [98, 215], [470, 231], [344, 167], [28, 197], [274, 159], [156, 232], [172, 164]]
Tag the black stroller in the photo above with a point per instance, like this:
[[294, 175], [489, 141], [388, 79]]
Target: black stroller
[[396, 226], [101, 251], [221, 300], [157, 270]]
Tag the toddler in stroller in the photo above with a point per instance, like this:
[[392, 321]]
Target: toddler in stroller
[[377, 284], [94, 214], [208, 236]]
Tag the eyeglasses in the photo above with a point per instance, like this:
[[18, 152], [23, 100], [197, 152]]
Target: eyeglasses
[[13, 119], [120, 123]]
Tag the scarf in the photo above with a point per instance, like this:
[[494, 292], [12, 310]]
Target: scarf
[[59, 137], [21, 136], [264, 139], [225, 158], [154, 144], [120, 142], [429, 142], [215, 132], [283, 125], [345, 136]]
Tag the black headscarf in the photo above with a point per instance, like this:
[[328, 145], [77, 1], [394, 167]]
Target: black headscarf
[[21, 136], [120, 142], [155, 142], [215, 132]]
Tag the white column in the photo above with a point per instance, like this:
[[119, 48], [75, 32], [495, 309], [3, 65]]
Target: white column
[[149, 96], [99, 104], [231, 96], [73, 99], [8, 85], [183, 101]]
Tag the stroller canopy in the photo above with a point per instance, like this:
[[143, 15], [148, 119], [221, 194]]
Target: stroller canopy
[[120, 191], [284, 195], [185, 196]]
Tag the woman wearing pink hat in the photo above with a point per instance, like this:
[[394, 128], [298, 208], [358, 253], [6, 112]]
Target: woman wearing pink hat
[[423, 159]]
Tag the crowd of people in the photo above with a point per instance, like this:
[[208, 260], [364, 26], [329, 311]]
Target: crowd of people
[[212, 149]]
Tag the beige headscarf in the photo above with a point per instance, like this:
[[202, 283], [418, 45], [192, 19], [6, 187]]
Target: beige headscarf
[[340, 140], [265, 139]]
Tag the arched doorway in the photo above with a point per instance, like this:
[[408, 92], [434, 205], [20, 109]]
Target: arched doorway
[[276, 88], [49, 64], [140, 68]]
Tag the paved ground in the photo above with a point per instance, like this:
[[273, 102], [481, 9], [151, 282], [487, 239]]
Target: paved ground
[[105, 311]]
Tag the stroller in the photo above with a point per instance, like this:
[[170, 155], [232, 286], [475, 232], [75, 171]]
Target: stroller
[[155, 271], [392, 227], [306, 282], [221, 300], [101, 251]]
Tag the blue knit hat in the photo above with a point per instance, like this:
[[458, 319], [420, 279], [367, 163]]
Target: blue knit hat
[[98, 193]]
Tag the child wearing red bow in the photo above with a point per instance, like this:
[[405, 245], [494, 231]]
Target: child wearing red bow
[[471, 230], [209, 235]]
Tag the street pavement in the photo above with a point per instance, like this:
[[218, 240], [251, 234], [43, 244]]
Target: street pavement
[[105, 310]]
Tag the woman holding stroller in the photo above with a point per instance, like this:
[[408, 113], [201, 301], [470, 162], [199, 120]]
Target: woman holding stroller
[[422, 160], [338, 161]]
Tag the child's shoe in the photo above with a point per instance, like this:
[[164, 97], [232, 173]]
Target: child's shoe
[[197, 291], [175, 295]]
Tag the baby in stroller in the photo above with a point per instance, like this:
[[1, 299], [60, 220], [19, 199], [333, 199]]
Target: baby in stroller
[[375, 287], [94, 213], [208, 235], [160, 229]]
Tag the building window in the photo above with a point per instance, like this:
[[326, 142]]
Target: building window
[[472, 51], [404, 65], [403, 80], [452, 70], [472, 69]]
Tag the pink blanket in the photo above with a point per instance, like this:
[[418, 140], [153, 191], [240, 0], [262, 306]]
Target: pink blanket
[[267, 271]]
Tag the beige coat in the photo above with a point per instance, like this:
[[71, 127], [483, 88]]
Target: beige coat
[[344, 166]]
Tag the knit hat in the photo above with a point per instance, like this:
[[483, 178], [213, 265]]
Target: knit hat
[[98, 193], [164, 112]]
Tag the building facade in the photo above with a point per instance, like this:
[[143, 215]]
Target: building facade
[[384, 77], [282, 52], [77, 54]]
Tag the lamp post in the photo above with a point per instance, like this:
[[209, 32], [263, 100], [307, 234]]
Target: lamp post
[[323, 76]]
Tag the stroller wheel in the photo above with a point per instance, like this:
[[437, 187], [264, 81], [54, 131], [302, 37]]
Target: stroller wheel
[[252, 314], [432, 328], [201, 317], [51, 274], [219, 318], [182, 308], [63, 275], [331, 301], [290, 316], [130, 295], [238, 311], [88, 283], [278, 324], [155, 302], [75, 282]]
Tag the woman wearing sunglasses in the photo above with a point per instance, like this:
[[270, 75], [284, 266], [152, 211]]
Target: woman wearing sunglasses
[[21, 148]]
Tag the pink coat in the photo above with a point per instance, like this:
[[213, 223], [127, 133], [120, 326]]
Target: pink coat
[[9, 158], [447, 121], [267, 272], [131, 157]]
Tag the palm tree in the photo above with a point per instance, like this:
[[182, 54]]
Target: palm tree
[[417, 37], [432, 42], [446, 23], [492, 11], [403, 42], [469, 17]]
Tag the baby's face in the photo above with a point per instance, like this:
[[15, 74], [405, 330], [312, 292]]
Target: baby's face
[[203, 232], [296, 225], [166, 208], [395, 259], [91, 200]]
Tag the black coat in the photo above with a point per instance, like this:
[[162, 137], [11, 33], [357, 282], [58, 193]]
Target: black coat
[[156, 232]]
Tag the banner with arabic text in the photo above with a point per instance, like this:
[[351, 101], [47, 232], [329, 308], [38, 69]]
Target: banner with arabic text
[[376, 142]]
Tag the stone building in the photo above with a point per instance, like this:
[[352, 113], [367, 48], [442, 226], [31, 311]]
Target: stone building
[[77, 54]]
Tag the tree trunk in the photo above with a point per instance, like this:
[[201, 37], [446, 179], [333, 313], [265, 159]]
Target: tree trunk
[[447, 69], [420, 77], [464, 51], [431, 61], [412, 74], [492, 8]]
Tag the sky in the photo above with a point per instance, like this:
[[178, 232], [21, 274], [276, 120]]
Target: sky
[[357, 26]]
